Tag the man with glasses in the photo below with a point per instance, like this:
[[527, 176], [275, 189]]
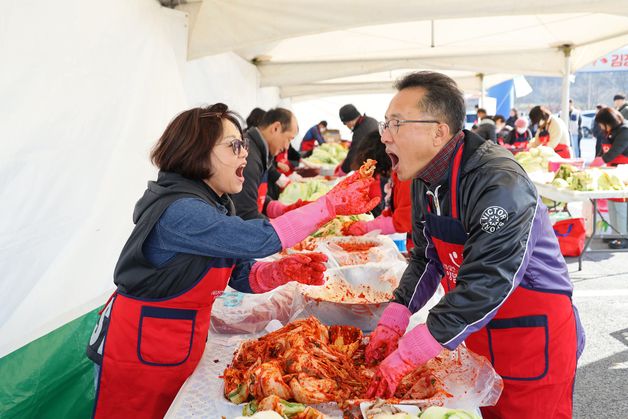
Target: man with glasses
[[480, 230], [276, 130], [360, 125]]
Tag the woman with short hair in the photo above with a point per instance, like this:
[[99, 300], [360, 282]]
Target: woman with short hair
[[552, 131], [614, 152], [186, 246]]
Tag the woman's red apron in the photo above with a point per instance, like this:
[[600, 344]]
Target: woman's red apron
[[621, 159], [561, 149], [525, 340], [153, 346]]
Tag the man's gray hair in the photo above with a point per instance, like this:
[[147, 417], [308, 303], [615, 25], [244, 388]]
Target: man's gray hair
[[443, 99]]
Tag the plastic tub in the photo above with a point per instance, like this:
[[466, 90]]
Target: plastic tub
[[554, 165], [334, 306]]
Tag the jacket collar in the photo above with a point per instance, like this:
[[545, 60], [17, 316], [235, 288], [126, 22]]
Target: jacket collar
[[256, 136]]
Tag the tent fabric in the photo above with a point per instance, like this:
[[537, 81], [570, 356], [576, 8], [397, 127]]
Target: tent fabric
[[83, 112], [86, 90], [228, 25], [301, 45]]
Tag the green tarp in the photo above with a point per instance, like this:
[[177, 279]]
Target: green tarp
[[50, 377]]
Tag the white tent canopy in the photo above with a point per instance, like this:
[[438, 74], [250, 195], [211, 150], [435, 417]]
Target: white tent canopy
[[324, 39], [300, 49]]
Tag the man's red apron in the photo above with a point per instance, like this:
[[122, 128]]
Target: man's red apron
[[283, 164], [262, 190], [307, 145], [153, 346], [525, 339]]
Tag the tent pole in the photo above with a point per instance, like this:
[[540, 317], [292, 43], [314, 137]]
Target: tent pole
[[564, 112], [482, 90]]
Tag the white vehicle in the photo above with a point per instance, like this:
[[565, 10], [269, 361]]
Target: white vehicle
[[587, 122]]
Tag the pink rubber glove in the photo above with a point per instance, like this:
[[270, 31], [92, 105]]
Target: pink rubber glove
[[306, 269], [415, 349], [391, 326], [338, 172], [294, 226], [356, 229], [354, 195], [275, 208], [597, 162], [382, 223]]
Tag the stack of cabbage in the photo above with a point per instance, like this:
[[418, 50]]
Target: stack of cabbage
[[536, 159], [335, 226], [433, 412], [309, 190], [327, 154], [567, 177]]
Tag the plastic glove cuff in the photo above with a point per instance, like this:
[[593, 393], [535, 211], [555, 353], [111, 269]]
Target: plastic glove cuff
[[274, 209], [383, 224], [418, 345], [256, 285], [396, 317], [296, 225]]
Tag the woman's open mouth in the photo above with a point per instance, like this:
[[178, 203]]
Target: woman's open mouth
[[240, 172]]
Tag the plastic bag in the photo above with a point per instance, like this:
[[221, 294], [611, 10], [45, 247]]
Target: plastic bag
[[235, 312], [468, 377], [571, 236]]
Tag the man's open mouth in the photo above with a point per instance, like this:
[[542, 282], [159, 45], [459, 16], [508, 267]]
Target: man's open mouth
[[394, 159]]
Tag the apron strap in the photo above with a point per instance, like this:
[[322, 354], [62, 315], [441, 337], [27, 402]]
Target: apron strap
[[454, 180], [108, 301]]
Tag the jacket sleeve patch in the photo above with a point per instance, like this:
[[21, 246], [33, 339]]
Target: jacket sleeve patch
[[493, 218]]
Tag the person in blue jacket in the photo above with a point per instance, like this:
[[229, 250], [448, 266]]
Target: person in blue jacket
[[312, 137]]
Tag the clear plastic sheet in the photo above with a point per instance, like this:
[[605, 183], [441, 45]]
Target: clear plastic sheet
[[468, 377], [237, 313]]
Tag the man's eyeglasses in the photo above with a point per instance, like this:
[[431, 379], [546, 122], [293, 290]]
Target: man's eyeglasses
[[393, 124], [237, 145]]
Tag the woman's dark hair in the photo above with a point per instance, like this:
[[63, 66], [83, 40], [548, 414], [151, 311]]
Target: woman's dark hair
[[371, 147], [610, 117], [323, 123], [443, 99], [498, 118], [189, 139], [537, 113], [255, 117]]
